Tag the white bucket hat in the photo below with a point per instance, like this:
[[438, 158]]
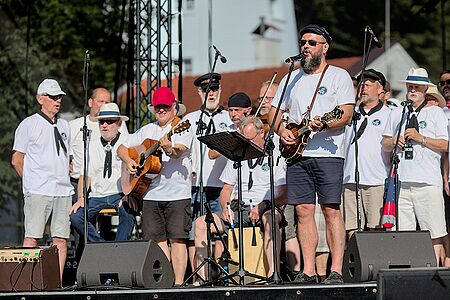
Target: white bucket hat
[[418, 76], [50, 87], [109, 111]]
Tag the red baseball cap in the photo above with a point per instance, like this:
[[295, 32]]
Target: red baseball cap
[[163, 96]]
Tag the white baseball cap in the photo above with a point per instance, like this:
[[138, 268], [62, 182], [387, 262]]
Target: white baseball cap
[[50, 87]]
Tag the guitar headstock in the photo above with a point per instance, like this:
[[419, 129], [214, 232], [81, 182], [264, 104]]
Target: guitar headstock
[[181, 127], [333, 115]]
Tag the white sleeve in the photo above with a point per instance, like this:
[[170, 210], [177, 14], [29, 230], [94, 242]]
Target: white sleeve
[[441, 125], [229, 174], [345, 90], [22, 137]]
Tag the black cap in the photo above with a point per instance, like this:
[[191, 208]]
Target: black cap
[[375, 75], [313, 28], [203, 80], [239, 100]]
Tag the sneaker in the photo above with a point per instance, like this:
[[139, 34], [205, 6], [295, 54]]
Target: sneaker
[[302, 278], [334, 278]]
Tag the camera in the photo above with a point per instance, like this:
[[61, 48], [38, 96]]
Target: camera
[[409, 151]]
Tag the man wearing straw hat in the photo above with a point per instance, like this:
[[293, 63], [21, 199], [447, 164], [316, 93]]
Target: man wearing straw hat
[[423, 140], [166, 214], [103, 177]]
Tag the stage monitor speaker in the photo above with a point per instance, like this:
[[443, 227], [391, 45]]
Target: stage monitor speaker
[[419, 283], [368, 252], [125, 263], [29, 269]]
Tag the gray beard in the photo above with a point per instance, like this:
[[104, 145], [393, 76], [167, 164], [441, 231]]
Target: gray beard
[[212, 105], [309, 65]]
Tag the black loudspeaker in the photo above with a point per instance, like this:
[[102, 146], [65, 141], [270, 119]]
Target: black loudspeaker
[[420, 283], [125, 263], [29, 269], [368, 252]]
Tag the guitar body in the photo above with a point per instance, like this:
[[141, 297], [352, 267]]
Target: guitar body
[[301, 132], [138, 184]]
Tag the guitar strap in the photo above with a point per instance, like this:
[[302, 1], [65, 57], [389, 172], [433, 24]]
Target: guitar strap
[[307, 114]]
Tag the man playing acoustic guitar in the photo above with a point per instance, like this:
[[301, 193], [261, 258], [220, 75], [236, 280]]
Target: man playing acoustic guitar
[[313, 91], [167, 211]]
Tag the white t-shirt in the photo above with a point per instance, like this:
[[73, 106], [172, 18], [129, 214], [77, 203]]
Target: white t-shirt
[[373, 162], [173, 182], [100, 186], [76, 140], [425, 167], [44, 172], [336, 89], [260, 189], [212, 168]]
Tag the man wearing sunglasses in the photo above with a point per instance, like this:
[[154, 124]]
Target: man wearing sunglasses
[[98, 97], [41, 156], [103, 177], [214, 119], [319, 171], [444, 86], [167, 210]]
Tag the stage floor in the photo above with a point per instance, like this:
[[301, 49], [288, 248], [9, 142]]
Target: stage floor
[[285, 291]]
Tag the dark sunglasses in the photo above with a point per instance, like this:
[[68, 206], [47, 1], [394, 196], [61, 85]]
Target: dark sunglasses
[[56, 97], [444, 82], [213, 89], [312, 43], [109, 122]]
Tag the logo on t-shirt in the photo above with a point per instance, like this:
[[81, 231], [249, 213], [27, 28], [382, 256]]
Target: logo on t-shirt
[[223, 126], [64, 136], [376, 122], [422, 124], [265, 167], [322, 90]]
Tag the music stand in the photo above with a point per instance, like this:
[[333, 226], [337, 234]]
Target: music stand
[[237, 148]]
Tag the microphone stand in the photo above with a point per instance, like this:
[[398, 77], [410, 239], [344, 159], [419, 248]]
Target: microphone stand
[[269, 146], [86, 139], [209, 218], [355, 118]]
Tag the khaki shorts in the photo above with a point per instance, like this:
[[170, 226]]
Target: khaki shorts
[[38, 209], [425, 203], [372, 206]]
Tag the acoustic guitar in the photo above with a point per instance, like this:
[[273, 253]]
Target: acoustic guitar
[[148, 158], [301, 133]]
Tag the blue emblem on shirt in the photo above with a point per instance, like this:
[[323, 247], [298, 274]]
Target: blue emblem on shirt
[[422, 124], [322, 90], [376, 122]]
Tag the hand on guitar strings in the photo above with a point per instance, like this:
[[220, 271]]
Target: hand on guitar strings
[[166, 145], [286, 136], [315, 124], [132, 167]]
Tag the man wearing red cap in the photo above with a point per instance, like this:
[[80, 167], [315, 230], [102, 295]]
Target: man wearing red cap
[[167, 204]]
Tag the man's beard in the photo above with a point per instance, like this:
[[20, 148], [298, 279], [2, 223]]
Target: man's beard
[[212, 105], [309, 65]]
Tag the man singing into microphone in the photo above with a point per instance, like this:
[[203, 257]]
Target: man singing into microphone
[[422, 141]]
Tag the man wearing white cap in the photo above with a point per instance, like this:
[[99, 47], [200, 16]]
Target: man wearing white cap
[[104, 177], [423, 139], [41, 157]]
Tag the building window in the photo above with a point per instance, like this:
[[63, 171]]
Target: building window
[[187, 66]]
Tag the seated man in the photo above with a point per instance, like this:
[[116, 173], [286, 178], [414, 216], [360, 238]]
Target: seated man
[[103, 177], [255, 190]]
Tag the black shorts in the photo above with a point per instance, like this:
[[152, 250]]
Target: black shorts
[[311, 176], [162, 220]]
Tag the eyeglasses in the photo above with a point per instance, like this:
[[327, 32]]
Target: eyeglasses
[[267, 98], [444, 82], [54, 98], [212, 89], [107, 121], [312, 43]]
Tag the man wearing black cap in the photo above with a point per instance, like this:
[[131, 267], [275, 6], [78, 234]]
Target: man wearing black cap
[[373, 161], [319, 172], [214, 119]]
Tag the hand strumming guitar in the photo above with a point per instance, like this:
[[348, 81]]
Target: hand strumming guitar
[[286, 136]]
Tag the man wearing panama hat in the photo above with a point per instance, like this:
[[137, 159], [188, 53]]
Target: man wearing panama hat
[[103, 177], [423, 140]]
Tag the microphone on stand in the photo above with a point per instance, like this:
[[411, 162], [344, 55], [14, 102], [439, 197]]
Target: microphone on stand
[[374, 37], [223, 59], [291, 59]]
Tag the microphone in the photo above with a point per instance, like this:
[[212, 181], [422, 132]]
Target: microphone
[[291, 59], [374, 37], [223, 59], [88, 58], [407, 102]]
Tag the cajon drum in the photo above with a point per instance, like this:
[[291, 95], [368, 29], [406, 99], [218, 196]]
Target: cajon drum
[[254, 259]]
